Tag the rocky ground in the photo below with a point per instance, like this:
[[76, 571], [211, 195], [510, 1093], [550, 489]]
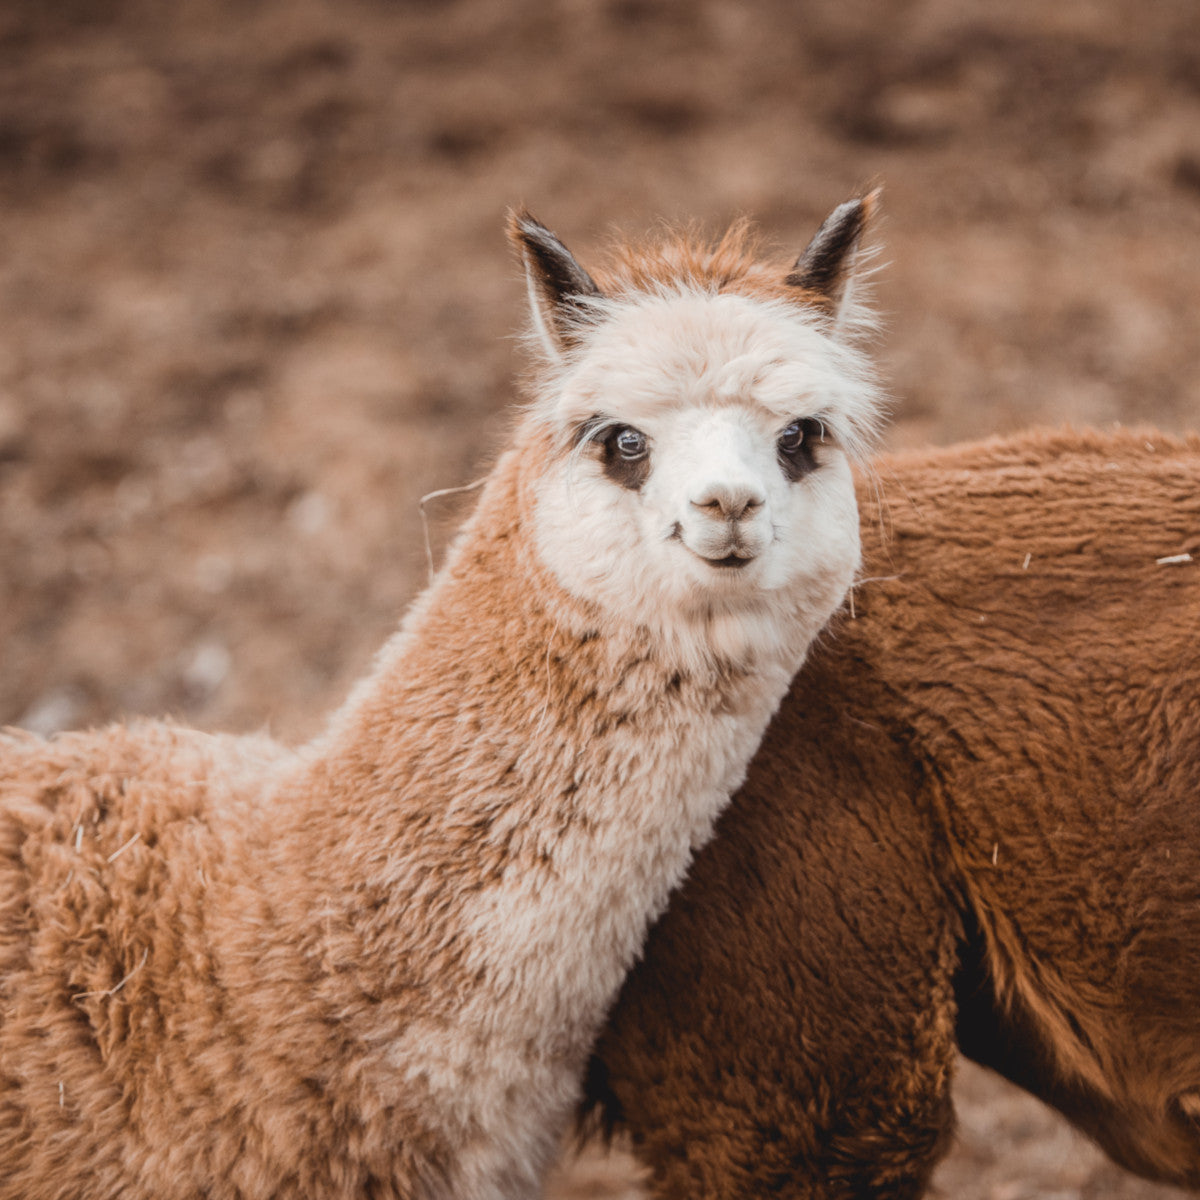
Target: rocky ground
[[255, 302]]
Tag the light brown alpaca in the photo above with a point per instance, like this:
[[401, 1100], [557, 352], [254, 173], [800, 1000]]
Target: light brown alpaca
[[375, 966], [974, 822]]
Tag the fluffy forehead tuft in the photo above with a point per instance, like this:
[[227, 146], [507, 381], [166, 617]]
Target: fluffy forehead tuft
[[675, 347], [683, 258]]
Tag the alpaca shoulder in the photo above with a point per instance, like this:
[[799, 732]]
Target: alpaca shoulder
[[156, 769], [93, 823]]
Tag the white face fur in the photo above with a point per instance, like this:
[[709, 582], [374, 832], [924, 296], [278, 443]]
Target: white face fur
[[709, 477]]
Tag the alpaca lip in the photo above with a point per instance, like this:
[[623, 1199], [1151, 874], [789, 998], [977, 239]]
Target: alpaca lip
[[730, 561]]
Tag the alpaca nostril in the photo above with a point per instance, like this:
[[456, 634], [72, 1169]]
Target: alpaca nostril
[[727, 504]]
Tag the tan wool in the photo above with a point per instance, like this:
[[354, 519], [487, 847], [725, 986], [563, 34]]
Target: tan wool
[[374, 966]]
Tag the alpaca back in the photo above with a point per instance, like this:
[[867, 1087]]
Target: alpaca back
[[111, 847], [1065, 728]]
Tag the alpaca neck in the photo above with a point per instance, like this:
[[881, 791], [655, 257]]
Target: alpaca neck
[[501, 809]]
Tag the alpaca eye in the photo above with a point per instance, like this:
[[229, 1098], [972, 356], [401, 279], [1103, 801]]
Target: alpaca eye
[[630, 443], [794, 447], [626, 456], [792, 438]]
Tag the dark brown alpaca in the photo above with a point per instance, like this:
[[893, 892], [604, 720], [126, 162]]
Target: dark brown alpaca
[[975, 822]]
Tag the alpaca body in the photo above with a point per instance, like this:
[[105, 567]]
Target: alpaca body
[[986, 837], [425, 914], [374, 966]]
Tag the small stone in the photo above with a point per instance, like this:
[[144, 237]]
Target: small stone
[[207, 668], [60, 708]]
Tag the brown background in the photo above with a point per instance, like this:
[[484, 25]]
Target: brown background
[[255, 301]]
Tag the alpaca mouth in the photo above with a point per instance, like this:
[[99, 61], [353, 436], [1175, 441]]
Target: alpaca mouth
[[731, 562], [727, 562]]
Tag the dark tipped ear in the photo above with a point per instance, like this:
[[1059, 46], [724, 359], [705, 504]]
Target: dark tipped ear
[[556, 282], [826, 268]]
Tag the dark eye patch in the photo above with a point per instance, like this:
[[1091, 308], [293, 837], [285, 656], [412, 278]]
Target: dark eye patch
[[624, 450], [630, 470], [795, 445]]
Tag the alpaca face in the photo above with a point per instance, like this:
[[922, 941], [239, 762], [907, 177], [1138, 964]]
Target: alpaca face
[[704, 409], [708, 471]]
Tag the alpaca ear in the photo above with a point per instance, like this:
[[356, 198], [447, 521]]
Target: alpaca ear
[[558, 286], [827, 266]]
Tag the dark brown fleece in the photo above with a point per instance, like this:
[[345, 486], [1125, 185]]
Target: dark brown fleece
[[976, 819]]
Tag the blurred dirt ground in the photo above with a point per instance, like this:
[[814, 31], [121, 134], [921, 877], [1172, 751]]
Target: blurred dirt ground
[[255, 301]]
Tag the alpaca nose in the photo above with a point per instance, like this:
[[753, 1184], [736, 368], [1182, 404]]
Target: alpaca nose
[[729, 501]]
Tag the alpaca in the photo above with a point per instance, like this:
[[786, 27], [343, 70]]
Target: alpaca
[[375, 965], [973, 823]]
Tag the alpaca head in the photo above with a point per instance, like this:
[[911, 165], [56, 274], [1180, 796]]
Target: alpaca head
[[702, 410]]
